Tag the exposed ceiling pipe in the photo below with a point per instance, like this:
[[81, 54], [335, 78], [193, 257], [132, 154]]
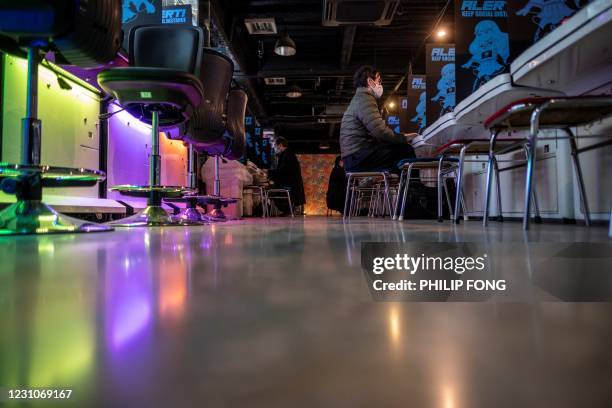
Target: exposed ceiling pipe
[[308, 74], [221, 40], [347, 50]]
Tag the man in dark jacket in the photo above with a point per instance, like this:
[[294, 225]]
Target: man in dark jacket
[[287, 173], [336, 188], [366, 142]]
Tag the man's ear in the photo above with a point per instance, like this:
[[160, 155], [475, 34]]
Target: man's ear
[[371, 82]]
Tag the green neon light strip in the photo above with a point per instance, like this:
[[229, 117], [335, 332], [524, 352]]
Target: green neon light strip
[[59, 71]]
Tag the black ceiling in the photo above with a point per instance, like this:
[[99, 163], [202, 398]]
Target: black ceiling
[[325, 61]]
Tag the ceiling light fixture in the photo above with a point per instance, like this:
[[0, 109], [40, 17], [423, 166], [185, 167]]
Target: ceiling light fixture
[[441, 33], [294, 92], [285, 46]]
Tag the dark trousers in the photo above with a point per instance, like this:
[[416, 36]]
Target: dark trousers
[[381, 156]]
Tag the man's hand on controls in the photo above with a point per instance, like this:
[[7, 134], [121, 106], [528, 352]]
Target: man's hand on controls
[[409, 136]]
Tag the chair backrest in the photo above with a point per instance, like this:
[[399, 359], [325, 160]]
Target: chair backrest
[[236, 110], [207, 124], [85, 33], [167, 46]]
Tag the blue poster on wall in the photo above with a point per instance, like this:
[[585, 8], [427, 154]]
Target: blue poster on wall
[[413, 119], [394, 122], [137, 13], [440, 80], [482, 43], [180, 14], [531, 20], [259, 149], [134, 10]]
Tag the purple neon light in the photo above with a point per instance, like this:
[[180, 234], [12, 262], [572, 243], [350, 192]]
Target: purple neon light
[[129, 301]]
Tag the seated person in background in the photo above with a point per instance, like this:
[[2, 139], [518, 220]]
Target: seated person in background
[[366, 142], [287, 174], [336, 188]]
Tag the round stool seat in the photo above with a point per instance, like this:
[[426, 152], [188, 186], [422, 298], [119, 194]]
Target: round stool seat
[[142, 90], [53, 176], [145, 190]]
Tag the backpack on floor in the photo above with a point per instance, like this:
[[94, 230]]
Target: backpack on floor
[[422, 202]]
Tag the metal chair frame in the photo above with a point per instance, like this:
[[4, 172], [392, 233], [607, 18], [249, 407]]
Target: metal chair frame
[[530, 145], [279, 193]]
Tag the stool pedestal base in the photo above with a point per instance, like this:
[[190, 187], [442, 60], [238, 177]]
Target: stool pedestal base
[[35, 217], [152, 216], [216, 215], [190, 216]]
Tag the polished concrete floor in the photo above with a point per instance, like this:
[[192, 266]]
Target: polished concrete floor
[[275, 314]]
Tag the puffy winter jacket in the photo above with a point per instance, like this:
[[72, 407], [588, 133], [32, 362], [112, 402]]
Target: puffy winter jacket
[[362, 125]]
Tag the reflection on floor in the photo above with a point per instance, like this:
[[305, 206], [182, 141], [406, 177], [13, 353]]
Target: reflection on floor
[[275, 314]]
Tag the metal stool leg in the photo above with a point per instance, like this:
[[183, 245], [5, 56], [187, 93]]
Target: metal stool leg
[[440, 211], [448, 200], [290, 204], [376, 196], [578, 170], [264, 203], [399, 191], [405, 196], [354, 198], [372, 203], [464, 206], [153, 215], [387, 198], [536, 206], [489, 180], [378, 202], [456, 218], [500, 217], [346, 215], [531, 162]]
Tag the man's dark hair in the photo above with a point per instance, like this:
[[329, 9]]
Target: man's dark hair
[[281, 141], [360, 79]]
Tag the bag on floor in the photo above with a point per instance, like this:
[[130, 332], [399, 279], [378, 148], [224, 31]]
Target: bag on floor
[[422, 202]]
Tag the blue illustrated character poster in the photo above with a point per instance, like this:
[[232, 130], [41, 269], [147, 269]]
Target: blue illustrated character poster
[[420, 118], [482, 43], [446, 89], [132, 9], [546, 14], [412, 112], [531, 20], [394, 122], [440, 88], [489, 52], [137, 13]]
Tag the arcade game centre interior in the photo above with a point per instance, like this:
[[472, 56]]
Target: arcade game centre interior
[[312, 203]]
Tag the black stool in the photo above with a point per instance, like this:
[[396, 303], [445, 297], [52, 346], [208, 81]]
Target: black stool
[[216, 129], [86, 34], [161, 88]]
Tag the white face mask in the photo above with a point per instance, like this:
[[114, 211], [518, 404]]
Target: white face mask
[[377, 90]]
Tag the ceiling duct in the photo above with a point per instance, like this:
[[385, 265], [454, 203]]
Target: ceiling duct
[[260, 26], [359, 12], [275, 81], [335, 109]]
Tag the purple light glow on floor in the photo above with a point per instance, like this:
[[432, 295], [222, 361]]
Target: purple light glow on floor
[[129, 299]]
